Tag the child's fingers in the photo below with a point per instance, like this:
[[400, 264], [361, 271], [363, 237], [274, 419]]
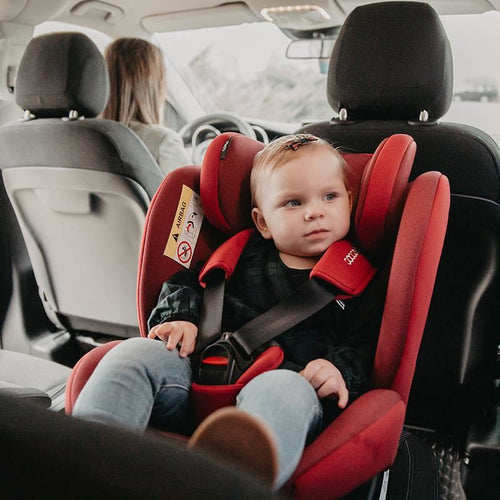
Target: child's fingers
[[310, 372], [336, 388], [176, 333], [326, 389], [153, 333], [189, 339], [318, 380], [343, 396], [174, 338], [320, 377], [327, 380], [187, 346], [162, 331]]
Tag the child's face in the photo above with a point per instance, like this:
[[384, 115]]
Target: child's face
[[304, 206]]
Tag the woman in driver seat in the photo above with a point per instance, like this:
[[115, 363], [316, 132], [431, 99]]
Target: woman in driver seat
[[138, 89]]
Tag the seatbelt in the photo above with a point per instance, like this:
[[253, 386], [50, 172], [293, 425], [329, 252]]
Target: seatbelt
[[209, 328], [302, 303]]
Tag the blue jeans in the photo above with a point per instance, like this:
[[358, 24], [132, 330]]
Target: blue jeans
[[139, 383]]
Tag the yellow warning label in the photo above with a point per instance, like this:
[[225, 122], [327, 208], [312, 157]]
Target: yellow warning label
[[185, 228]]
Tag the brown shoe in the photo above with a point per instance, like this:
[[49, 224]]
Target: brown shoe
[[238, 437]]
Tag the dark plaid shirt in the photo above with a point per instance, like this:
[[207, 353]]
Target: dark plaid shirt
[[346, 337]]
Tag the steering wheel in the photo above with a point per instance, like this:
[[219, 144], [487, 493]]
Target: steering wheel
[[201, 131]]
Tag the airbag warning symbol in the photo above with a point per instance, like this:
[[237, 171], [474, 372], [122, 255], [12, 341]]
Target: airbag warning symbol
[[186, 228], [184, 252]]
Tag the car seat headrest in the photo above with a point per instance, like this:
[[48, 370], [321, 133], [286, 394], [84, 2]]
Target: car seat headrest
[[378, 182], [62, 72], [225, 181], [381, 192], [391, 60]]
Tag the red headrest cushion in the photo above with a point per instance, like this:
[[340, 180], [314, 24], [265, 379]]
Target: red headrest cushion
[[380, 197], [378, 183], [225, 181]]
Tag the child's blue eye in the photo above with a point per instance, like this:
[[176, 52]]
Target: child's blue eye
[[292, 203], [329, 196]]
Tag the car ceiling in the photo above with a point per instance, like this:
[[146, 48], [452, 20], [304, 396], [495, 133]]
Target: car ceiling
[[142, 17]]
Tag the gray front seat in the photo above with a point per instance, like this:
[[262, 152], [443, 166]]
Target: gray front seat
[[79, 186], [33, 379]]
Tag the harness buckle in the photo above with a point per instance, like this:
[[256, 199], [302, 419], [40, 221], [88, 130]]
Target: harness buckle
[[221, 363]]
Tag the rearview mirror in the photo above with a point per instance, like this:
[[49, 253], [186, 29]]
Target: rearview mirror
[[319, 48]]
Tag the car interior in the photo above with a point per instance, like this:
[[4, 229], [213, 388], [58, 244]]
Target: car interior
[[86, 212]]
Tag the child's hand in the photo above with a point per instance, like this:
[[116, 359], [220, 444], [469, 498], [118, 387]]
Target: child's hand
[[175, 333], [326, 378]]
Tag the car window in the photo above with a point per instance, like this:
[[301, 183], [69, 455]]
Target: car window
[[244, 69], [474, 41]]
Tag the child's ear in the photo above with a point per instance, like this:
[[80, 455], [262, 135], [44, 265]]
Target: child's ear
[[260, 223]]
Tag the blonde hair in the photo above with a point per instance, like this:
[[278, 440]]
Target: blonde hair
[[137, 78], [279, 151]]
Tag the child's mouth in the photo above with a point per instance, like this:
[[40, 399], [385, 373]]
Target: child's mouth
[[316, 232]]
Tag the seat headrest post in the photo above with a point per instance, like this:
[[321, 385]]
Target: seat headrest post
[[423, 116], [28, 115]]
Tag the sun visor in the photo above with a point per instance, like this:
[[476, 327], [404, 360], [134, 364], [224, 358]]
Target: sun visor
[[222, 15]]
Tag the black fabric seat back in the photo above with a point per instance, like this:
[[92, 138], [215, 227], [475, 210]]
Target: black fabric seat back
[[79, 187], [391, 71]]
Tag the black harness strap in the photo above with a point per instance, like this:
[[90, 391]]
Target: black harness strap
[[307, 299], [209, 329]]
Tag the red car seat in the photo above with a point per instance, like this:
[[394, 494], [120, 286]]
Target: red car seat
[[401, 226]]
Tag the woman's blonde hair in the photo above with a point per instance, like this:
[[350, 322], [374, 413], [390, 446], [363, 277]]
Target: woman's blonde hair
[[279, 151], [137, 78]]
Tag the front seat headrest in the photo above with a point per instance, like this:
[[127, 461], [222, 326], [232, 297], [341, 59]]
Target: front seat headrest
[[391, 61], [62, 72]]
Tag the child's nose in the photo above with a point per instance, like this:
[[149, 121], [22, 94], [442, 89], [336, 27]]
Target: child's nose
[[313, 211]]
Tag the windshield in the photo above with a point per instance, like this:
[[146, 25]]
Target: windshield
[[244, 69]]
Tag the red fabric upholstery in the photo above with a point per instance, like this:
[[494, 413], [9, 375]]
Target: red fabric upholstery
[[359, 444], [208, 398], [154, 266], [268, 360], [344, 267], [380, 198], [363, 441], [82, 371], [227, 255], [225, 185], [417, 252]]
